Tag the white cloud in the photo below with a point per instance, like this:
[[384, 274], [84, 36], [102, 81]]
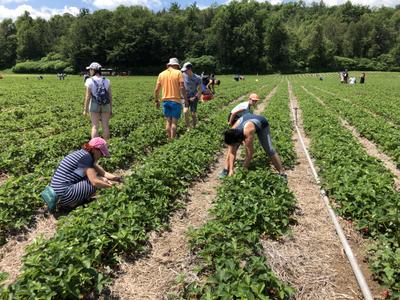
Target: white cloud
[[371, 3], [43, 12], [274, 2], [12, 1], [111, 4]]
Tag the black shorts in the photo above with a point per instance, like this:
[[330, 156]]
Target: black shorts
[[234, 119], [192, 104]]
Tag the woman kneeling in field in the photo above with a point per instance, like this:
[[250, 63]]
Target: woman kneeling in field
[[78, 176]]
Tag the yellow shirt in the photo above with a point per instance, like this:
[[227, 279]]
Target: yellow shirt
[[170, 81]]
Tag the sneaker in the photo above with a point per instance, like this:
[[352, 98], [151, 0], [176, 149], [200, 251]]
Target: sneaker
[[284, 176], [223, 174]]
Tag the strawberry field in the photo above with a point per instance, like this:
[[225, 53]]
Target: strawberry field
[[42, 122]]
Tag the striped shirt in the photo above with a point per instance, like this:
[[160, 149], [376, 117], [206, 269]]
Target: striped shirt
[[71, 171]]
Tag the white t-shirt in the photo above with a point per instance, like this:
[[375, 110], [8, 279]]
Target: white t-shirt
[[240, 106], [89, 83]]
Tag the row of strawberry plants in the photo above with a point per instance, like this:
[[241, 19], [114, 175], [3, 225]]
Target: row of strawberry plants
[[374, 128], [74, 262], [49, 103], [29, 151], [361, 187], [376, 95], [19, 197], [247, 206], [23, 157], [381, 107]]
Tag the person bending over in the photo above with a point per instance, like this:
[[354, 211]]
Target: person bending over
[[244, 131]]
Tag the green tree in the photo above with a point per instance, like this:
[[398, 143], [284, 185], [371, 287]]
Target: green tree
[[8, 43], [276, 41], [315, 47], [32, 37]]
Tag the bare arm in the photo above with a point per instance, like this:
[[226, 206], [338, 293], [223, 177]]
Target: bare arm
[[110, 97], [157, 94], [183, 90], [199, 91], [101, 172], [91, 173], [232, 150], [86, 102], [248, 142], [233, 115], [208, 86]]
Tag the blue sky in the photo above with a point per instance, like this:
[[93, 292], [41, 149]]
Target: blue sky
[[47, 8]]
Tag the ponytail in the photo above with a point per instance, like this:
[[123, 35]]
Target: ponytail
[[87, 147]]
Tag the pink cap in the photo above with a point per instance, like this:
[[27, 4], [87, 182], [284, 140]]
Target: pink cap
[[100, 144]]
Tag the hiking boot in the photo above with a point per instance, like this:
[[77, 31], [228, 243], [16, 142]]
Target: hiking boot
[[223, 174]]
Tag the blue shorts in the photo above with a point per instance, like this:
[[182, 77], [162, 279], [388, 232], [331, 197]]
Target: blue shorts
[[172, 109]]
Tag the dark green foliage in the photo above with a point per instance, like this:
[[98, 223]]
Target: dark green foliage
[[243, 36]]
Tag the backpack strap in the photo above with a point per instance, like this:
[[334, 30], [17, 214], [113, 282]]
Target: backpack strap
[[95, 84]]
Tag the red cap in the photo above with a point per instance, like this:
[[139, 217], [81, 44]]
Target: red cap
[[100, 144]]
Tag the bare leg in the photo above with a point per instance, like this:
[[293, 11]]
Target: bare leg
[[186, 114], [173, 128], [105, 119], [168, 127], [194, 119], [95, 117], [276, 161]]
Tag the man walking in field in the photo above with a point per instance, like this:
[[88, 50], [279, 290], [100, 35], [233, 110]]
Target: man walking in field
[[173, 89], [193, 89]]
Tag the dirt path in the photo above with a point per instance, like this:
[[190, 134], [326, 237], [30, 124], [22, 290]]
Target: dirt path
[[370, 147], [12, 252], [3, 178], [154, 277], [311, 259], [43, 225]]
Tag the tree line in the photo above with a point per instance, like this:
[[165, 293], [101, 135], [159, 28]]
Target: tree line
[[240, 37]]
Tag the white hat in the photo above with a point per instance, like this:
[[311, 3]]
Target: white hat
[[173, 61], [94, 66], [186, 65]]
